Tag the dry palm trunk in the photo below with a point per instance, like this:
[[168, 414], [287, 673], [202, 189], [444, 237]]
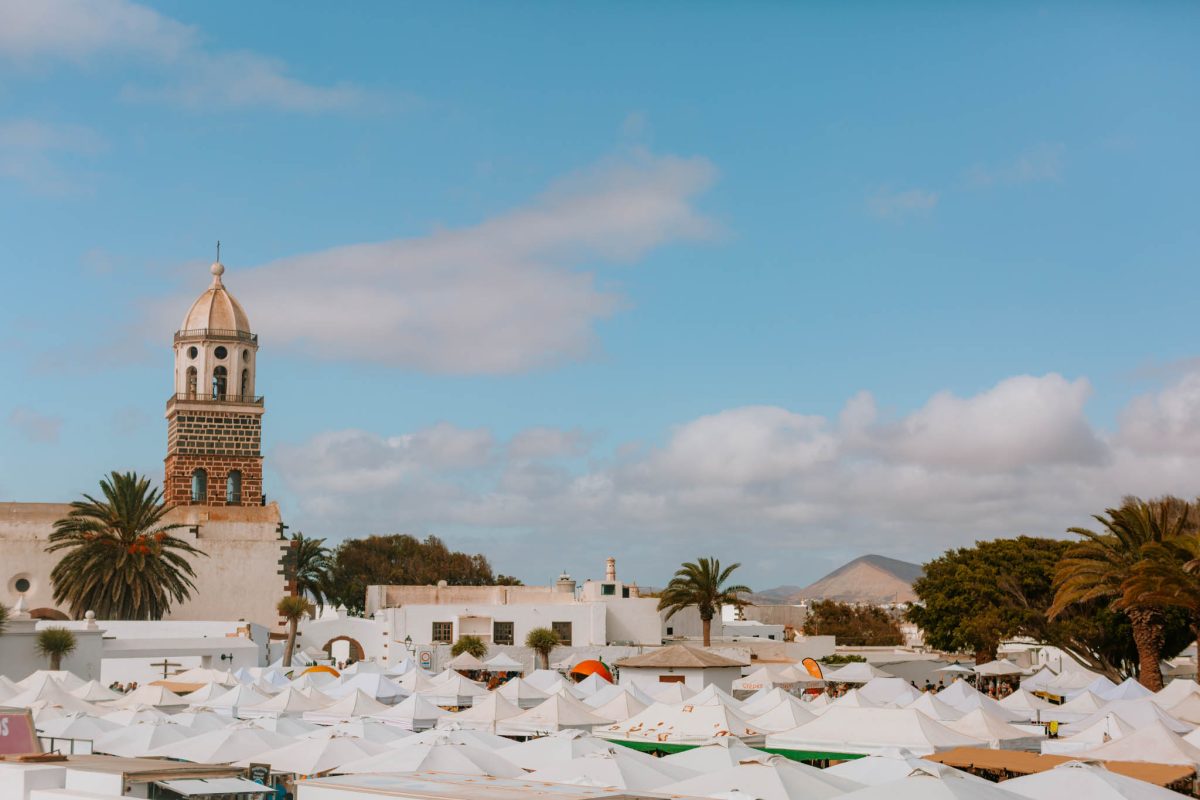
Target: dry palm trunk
[[1149, 636]]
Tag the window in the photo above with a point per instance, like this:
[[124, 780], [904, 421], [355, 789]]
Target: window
[[670, 678], [191, 381], [199, 486], [220, 353], [563, 630], [220, 383], [502, 633], [233, 488], [443, 632], [193, 352], [245, 384], [22, 585], [625, 592], [608, 588], [670, 631]]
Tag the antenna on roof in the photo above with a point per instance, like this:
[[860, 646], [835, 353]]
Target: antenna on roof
[[218, 249]]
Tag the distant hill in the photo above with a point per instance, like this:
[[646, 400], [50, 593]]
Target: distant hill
[[868, 579]]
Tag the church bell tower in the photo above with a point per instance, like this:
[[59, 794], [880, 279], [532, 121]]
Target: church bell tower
[[214, 418]]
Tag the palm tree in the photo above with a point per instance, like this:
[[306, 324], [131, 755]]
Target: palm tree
[[1103, 566], [121, 561], [55, 643], [292, 608], [469, 644], [1169, 572], [314, 566], [542, 641], [702, 584], [3, 617]]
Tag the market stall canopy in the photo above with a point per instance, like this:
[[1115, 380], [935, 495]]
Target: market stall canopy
[[855, 672], [1079, 779], [502, 662], [999, 668], [767, 777], [865, 731], [466, 661]]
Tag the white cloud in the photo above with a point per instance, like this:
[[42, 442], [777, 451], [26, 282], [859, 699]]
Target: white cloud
[[37, 154], [502, 296], [1016, 458], [35, 426], [195, 77], [1166, 422], [1043, 162], [886, 202]]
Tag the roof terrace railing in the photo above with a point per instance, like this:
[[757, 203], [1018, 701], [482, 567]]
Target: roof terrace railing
[[202, 397], [216, 333]]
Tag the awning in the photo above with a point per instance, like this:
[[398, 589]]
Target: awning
[[204, 788]]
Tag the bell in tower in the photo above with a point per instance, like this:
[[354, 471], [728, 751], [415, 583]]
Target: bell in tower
[[214, 418]]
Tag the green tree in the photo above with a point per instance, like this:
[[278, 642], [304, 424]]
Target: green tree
[[292, 608], [3, 617], [121, 559], [1168, 574], [854, 626], [471, 645], [55, 644], [701, 584], [972, 598], [314, 567], [508, 580], [400, 560], [1103, 568], [542, 641]]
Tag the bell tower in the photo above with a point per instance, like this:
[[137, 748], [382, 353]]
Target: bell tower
[[214, 419]]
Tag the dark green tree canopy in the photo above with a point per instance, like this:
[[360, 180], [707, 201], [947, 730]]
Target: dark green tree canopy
[[400, 559], [972, 598], [854, 626]]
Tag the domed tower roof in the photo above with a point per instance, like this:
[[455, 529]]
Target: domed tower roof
[[216, 309]]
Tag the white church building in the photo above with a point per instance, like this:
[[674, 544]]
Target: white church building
[[213, 476]]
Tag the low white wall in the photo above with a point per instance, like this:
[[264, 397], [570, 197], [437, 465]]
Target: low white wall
[[18, 651]]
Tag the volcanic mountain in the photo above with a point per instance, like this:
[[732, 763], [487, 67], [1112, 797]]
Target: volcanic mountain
[[868, 579]]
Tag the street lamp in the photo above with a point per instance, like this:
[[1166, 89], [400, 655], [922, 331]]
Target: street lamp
[[409, 646]]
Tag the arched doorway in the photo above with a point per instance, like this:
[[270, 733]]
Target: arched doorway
[[49, 613], [356, 649]]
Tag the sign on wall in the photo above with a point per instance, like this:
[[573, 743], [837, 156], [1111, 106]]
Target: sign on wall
[[17, 735], [426, 659]]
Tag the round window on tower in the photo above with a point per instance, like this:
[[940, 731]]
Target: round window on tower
[[193, 352], [21, 585], [220, 352]]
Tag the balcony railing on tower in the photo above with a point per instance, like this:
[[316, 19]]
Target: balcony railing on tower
[[201, 397], [216, 333]]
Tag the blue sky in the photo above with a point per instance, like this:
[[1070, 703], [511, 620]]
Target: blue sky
[[786, 283]]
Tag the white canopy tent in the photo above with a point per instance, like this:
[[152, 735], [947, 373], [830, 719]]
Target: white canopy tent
[[1076, 779], [555, 749], [485, 715], [502, 662], [414, 714], [855, 672], [1154, 742], [521, 693], [442, 755], [767, 777], [618, 767], [981, 724], [867, 731], [684, 723], [558, 712], [1108, 728]]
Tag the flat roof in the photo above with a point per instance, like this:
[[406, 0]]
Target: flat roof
[[148, 769]]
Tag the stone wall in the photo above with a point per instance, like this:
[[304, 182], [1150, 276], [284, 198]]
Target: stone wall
[[217, 441]]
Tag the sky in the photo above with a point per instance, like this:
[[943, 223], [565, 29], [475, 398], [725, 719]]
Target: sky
[[781, 283]]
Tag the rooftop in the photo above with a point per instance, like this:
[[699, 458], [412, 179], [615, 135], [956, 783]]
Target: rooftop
[[680, 656]]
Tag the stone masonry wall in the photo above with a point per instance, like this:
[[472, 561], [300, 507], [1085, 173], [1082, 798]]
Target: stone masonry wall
[[218, 442]]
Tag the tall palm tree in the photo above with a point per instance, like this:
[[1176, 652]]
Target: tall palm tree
[[314, 566], [1169, 571], [702, 584], [3, 617], [55, 643], [1103, 566], [292, 608], [121, 559]]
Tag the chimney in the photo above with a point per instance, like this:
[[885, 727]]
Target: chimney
[[610, 569]]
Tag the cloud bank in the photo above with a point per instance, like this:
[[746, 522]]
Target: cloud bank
[[503, 296], [196, 76], [789, 493]]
